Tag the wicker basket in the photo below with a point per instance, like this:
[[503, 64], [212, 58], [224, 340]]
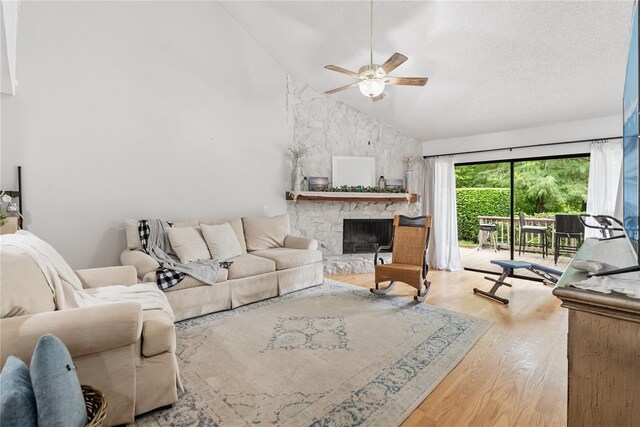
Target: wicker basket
[[96, 406]]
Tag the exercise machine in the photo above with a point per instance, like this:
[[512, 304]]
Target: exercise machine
[[550, 276]]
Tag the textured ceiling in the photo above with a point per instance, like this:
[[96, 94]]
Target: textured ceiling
[[492, 66]]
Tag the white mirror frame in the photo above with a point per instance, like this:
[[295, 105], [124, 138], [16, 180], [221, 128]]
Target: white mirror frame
[[353, 171]]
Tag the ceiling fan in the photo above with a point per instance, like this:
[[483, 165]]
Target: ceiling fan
[[373, 77]]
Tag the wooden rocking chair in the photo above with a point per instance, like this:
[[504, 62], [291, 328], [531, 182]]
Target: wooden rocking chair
[[409, 261]]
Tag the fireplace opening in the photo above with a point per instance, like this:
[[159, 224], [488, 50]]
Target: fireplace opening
[[361, 236]]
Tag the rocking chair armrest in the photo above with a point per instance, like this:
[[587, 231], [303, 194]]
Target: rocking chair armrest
[[378, 247]]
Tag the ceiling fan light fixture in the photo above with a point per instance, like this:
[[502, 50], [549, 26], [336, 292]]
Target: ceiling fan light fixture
[[371, 87]]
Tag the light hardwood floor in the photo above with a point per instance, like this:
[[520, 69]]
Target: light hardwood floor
[[516, 375]]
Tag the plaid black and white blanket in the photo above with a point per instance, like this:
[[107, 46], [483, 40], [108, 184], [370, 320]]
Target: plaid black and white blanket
[[155, 243], [165, 277]]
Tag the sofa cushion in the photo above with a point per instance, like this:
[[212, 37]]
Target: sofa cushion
[[221, 241], [23, 288], [266, 232], [249, 265], [17, 401], [236, 224], [188, 244], [55, 385], [133, 236], [289, 258], [190, 282], [158, 333]]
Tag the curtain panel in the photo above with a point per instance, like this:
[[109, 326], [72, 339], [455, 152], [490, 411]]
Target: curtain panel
[[440, 202], [605, 174]]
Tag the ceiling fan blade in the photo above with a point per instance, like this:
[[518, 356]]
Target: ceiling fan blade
[[341, 88], [406, 81], [379, 97], [394, 62], [341, 70]]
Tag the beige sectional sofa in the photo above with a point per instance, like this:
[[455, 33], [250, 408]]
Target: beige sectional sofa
[[271, 263], [119, 349]]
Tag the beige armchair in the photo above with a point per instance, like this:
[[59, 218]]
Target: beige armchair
[[119, 349]]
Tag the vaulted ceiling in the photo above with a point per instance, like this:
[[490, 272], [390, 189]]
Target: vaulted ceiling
[[492, 66]]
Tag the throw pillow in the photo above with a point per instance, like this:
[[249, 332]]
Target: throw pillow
[[236, 225], [188, 244], [266, 232], [222, 241], [55, 384], [133, 236], [17, 401]]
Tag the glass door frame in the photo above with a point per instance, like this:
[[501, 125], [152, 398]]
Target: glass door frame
[[512, 224]]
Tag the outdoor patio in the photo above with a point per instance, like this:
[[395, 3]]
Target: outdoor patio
[[481, 260]]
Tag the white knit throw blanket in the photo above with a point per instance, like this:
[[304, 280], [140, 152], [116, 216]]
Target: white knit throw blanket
[[67, 287]]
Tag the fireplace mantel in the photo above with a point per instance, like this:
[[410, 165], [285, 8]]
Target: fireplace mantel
[[319, 196]]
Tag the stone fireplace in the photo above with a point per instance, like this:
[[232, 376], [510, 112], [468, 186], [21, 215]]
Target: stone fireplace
[[364, 235], [325, 222]]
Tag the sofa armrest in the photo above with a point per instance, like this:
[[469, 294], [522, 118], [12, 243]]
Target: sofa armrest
[[297, 242], [107, 276], [142, 262], [87, 330]]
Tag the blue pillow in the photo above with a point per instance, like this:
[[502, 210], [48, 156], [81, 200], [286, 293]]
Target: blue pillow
[[55, 384], [17, 402]]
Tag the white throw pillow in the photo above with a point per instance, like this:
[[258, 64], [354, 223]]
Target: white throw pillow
[[236, 225], [188, 244], [222, 241], [266, 232], [133, 236]]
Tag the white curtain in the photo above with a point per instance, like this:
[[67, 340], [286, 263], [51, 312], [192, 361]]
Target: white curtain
[[440, 203], [605, 167]]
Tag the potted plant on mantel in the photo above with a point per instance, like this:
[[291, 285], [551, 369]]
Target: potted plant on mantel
[[298, 152]]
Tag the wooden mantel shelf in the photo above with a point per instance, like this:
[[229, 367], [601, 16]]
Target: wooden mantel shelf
[[322, 196]]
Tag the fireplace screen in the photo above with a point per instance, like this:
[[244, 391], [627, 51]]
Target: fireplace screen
[[364, 235]]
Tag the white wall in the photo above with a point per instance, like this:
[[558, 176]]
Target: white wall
[[596, 128], [140, 109]]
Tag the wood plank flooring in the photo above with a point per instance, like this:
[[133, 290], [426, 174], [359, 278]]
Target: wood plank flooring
[[516, 375]]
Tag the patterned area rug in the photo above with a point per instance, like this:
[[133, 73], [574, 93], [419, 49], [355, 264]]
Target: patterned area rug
[[331, 355]]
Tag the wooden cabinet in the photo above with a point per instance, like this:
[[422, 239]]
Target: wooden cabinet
[[603, 355]]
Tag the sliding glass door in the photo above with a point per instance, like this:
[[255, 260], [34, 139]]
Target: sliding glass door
[[548, 195], [508, 211], [483, 194]]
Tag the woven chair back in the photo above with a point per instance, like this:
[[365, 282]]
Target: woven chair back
[[410, 239]]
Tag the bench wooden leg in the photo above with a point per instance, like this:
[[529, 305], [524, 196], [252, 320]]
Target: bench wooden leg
[[496, 285]]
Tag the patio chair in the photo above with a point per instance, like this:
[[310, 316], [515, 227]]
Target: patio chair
[[567, 227], [488, 232], [409, 257], [531, 229]]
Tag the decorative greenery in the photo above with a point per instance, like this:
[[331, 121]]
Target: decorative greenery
[[474, 202], [361, 189], [3, 218]]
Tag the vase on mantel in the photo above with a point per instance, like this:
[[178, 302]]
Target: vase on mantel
[[297, 178], [409, 180]]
